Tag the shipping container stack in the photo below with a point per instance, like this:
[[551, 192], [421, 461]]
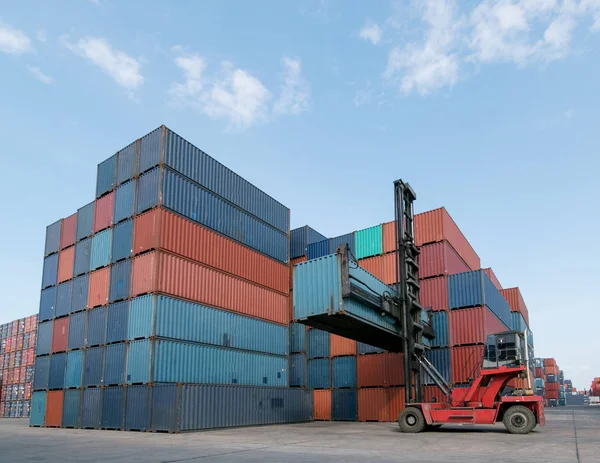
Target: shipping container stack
[[17, 354], [552, 382], [540, 378], [165, 301]]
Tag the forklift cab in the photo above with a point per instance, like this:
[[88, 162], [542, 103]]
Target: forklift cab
[[507, 349]]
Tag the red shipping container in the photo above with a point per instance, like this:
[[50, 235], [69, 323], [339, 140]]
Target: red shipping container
[[341, 346], [377, 370], [373, 404], [68, 231], [434, 293], [465, 363], [433, 392], [437, 225], [27, 324], [32, 339], [65, 264], [492, 276], [11, 360], [10, 376], [293, 262], [515, 300], [159, 272], [552, 395], [552, 370], [396, 402], [23, 374], [440, 259], [103, 212], [2, 408], [60, 334], [539, 373], [34, 321], [98, 287], [15, 327], [1, 363], [549, 362], [161, 229], [472, 326], [19, 345], [373, 265], [322, 405], [389, 236], [27, 391], [16, 376], [54, 408]]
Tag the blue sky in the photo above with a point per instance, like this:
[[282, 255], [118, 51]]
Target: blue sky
[[488, 108]]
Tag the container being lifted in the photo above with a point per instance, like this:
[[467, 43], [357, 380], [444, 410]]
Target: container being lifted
[[333, 294]]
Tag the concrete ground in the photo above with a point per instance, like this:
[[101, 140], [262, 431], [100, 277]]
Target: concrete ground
[[571, 434]]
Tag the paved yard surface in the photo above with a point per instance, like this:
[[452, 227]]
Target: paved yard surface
[[572, 434]]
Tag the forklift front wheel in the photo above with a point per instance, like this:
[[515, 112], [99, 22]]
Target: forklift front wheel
[[519, 420], [411, 419]]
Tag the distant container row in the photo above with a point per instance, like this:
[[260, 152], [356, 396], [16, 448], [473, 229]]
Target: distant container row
[[17, 327]]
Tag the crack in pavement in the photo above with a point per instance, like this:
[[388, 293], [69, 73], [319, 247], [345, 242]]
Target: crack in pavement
[[576, 443]]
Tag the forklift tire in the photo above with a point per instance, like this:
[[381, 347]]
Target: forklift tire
[[519, 420], [411, 420]]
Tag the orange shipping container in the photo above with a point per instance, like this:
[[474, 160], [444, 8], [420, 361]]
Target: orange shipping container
[[98, 287], [103, 212], [322, 405], [60, 334], [396, 402], [389, 237], [54, 408], [161, 229], [377, 370], [434, 293], [492, 276], [341, 346], [68, 231], [293, 262], [159, 272], [373, 265], [465, 363], [549, 362], [373, 404], [65, 264], [515, 300]]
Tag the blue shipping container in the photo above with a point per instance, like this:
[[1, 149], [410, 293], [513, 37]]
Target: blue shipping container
[[113, 408], [38, 409], [151, 146], [47, 304], [106, 177], [440, 359], [120, 276], [50, 271], [348, 239], [318, 343], [41, 375], [116, 324], [344, 371], [127, 163], [74, 370], [63, 299], [101, 248], [79, 297], [124, 201], [44, 338], [148, 188], [77, 329], [518, 322], [85, 221], [53, 237], [83, 253], [164, 408], [92, 366], [96, 327], [91, 409], [440, 325], [122, 240], [319, 373], [344, 405], [71, 409], [362, 348], [298, 374], [297, 338], [137, 408], [318, 249], [114, 364], [58, 363], [301, 238]]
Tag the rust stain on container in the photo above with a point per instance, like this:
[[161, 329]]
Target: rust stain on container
[[434, 293], [98, 287], [378, 370], [465, 362], [373, 404], [161, 229], [490, 273], [54, 408], [341, 346], [66, 259], [68, 231], [60, 334], [160, 272], [322, 405], [103, 212], [515, 300], [471, 326]]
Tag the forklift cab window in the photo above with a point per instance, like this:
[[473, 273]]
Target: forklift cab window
[[502, 350]]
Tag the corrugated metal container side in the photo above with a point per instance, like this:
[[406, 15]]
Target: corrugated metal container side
[[72, 409], [518, 322], [50, 271], [148, 188], [474, 289], [127, 163], [83, 253], [77, 330], [114, 364], [124, 201], [54, 408], [388, 233], [98, 287], [103, 212], [465, 362], [298, 370], [385, 369], [348, 238], [300, 238], [492, 276], [395, 402], [53, 238], [74, 369], [80, 294], [165, 273], [201, 168], [91, 409], [374, 265], [137, 408], [116, 324], [190, 200], [41, 375], [440, 325], [434, 293], [471, 326], [343, 371], [318, 343], [38, 409], [202, 406], [297, 338], [151, 150], [178, 362], [373, 404], [92, 366], [341, 346], [438, 259], [431, 392], [139, 358], [63, 299], [120, 277], [65, 264], [85, 220], [437, 225], [47, 303], [96, 327], [164, 408], [122, 240], [44, 338], [163, 229], [106, 177], [318, 249], [440, 359], [141, 317], [362, 348], [58, 363], [322, 405], [69, 231], [344, 405], [369, 242], [113, 407], [515, 301], [319, 373], [101, 247]]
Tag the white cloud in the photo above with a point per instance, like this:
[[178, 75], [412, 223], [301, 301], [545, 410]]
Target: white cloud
[[41, 36], [295, 92], [371, 32], [124, 69], [193, 69], [39, 75], [13, 41]]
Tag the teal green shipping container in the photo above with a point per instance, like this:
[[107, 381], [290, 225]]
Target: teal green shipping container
[[369, 242], [38, 409], [101, 247]]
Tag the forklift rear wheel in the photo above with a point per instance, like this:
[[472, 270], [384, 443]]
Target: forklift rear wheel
[[411, 419], [519, 420]]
